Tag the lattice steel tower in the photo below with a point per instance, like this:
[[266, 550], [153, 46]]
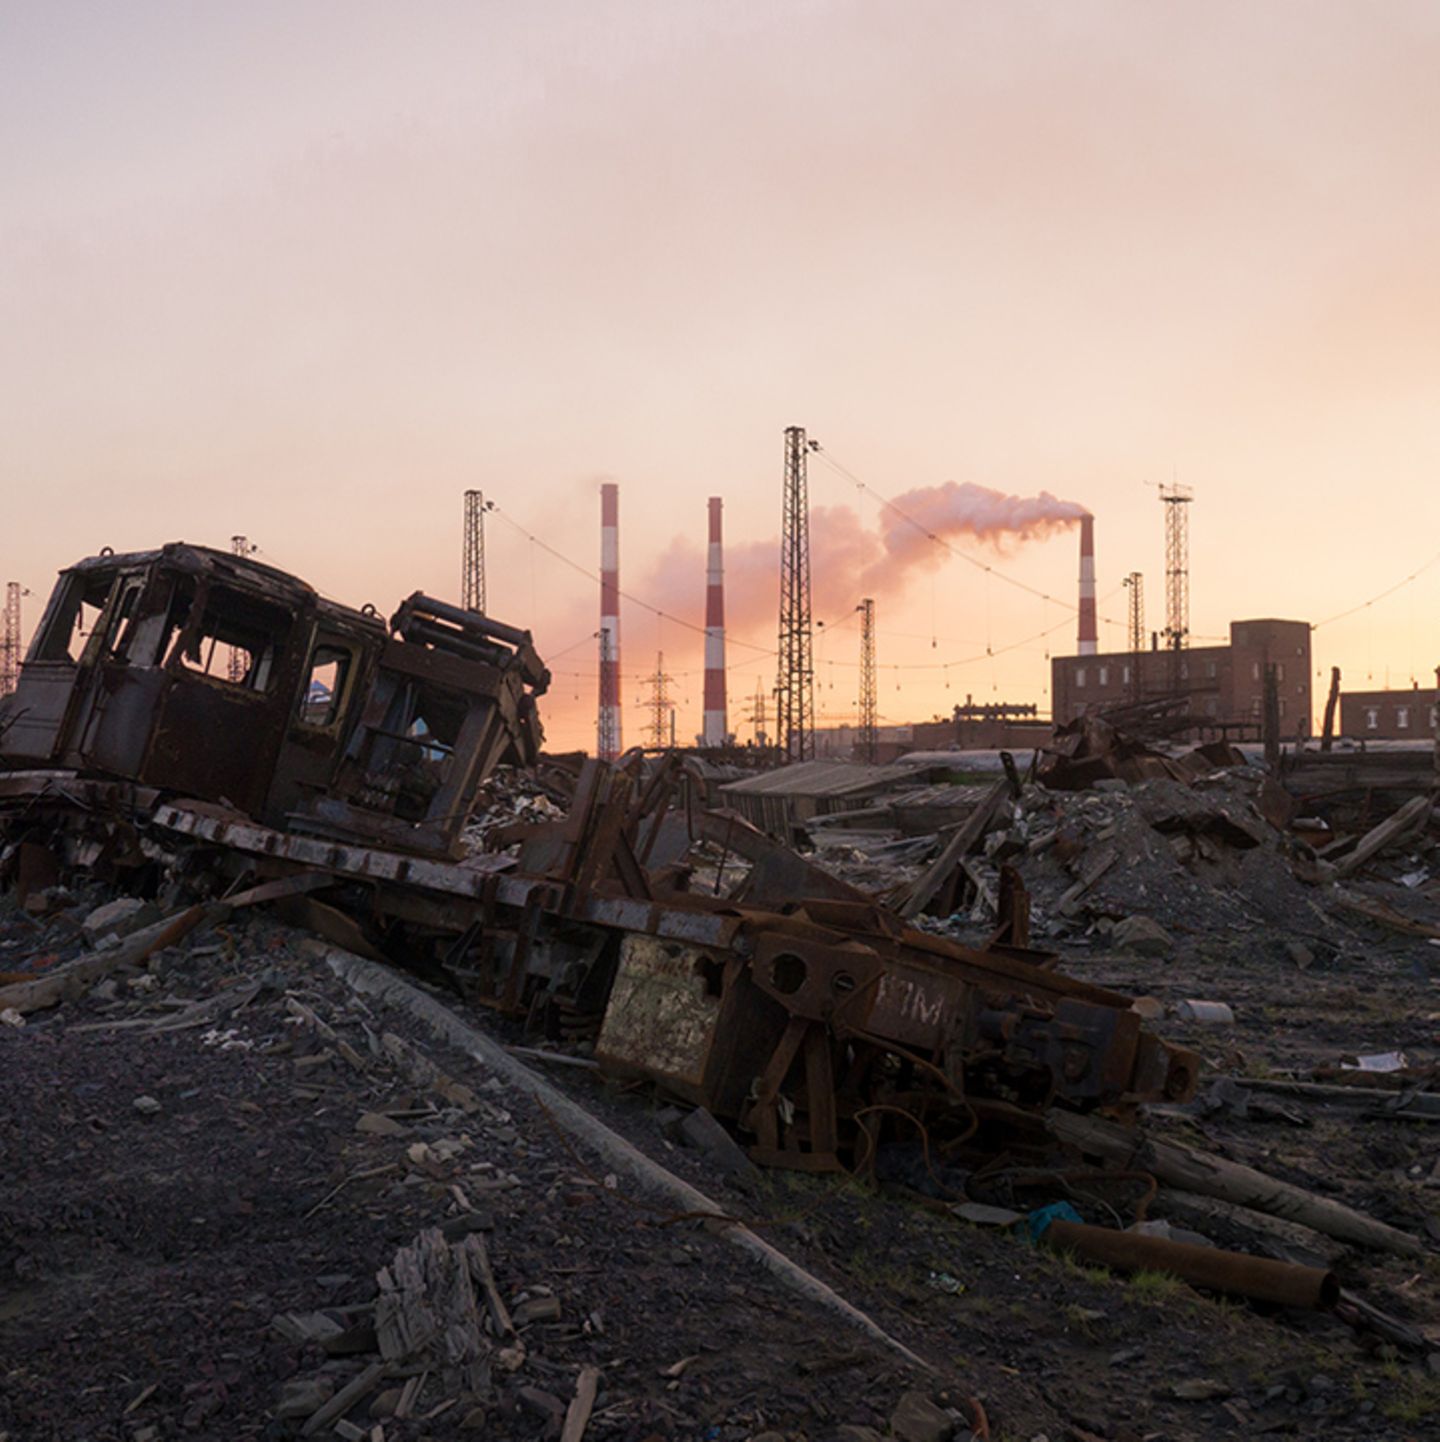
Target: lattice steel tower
[[869, 737], [795, 680], [757, 714], [239, 660], [10, 640], [472, 561], [659, 704], [1177, 565], [1136, 582]]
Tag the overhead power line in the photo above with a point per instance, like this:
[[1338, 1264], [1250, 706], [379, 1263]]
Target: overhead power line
[[1388, 591], [594, 576]]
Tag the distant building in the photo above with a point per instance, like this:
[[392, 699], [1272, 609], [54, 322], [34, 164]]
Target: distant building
[[1388, 715], [1225, 684]]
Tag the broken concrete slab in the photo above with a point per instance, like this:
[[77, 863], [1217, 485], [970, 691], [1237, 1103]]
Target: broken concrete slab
[[918, 1419], [119, 918], [1142, 935], [701, 1131]]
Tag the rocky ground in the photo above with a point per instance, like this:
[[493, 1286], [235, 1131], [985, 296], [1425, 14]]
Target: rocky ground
[[208, 1162]]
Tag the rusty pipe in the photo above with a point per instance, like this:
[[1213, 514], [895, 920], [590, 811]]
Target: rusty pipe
[[1287, 1284]]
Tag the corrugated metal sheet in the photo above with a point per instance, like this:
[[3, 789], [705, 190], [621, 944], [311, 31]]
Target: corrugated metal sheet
[[820, 779]]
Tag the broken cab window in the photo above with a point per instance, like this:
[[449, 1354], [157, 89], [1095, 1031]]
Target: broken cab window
[[235, 642], [71, 620], [324, 694]]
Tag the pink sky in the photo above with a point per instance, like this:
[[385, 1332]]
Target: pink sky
[[308, 271]]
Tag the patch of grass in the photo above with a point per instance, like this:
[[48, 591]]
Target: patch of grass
[[1155, 1286], [1083, 1319], [1070, 1263], [1415, 1399]]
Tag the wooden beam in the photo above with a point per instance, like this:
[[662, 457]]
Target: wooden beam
[[1211, 1176]]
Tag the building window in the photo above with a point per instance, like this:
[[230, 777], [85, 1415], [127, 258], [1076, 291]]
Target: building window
[[1254, 705], [1104, 675], [1279, 670], [1079, 676], [1282, 706], [1210, 669], [1254, 670], [1402, 717], [1184, 670], [1211, 708], [1372, 718], [1124, 675], [1433, 717]]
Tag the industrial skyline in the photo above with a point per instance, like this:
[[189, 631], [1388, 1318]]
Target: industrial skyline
[[248, 298]]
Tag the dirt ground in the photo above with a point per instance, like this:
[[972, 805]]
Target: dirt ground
[[168, 1194]]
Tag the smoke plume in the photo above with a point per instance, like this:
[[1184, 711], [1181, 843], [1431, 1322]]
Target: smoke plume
[[849, 561]]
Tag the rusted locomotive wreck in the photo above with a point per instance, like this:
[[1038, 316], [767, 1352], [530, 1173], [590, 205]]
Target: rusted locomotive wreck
[[192, 723]]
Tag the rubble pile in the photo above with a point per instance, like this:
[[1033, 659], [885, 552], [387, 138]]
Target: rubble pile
[[511, 797], [1198, 859]]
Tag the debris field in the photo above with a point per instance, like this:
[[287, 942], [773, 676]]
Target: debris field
[[401, 1081]]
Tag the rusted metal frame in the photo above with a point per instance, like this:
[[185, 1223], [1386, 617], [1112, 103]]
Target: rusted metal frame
[[820, 1097], [762, 1118], [420, 663], [1013, 919], [525, 935]]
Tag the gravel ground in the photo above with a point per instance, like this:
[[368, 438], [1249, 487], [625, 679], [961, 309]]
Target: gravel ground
[[145, 1251]]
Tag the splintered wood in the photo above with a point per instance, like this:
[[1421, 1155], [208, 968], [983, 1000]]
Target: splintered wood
[[424, 1073], [426, 1312]]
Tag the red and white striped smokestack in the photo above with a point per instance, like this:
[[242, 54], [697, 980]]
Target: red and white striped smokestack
[[608, 739], [713, 730], [1089, 632]]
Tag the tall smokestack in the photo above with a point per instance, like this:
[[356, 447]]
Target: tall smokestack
[[713, 731], [608, 740], [1089, 633]]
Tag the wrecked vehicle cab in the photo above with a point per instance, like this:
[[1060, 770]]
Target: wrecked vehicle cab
[[214, 676]]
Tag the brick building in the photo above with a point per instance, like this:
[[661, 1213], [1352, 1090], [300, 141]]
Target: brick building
[[1226, 683], [1388, 715]]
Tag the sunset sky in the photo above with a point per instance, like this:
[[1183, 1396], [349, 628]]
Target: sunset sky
[[306, 271]]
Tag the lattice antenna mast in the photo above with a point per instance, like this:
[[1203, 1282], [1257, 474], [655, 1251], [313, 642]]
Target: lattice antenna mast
[[472, 560], [1177, 565], [795, 680], [608, 738], [659, 705], [10, 639], [1136, 583], [239, 660], [869, 737]]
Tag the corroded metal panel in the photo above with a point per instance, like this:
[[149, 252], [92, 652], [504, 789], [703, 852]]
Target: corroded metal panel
[[662, 1014]]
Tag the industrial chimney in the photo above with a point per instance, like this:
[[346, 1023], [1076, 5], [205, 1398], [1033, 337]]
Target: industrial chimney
[[608, 739], [713, 730], [1089, 633]]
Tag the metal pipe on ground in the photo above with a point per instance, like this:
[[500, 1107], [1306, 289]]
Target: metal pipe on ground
[[1286, 1284]]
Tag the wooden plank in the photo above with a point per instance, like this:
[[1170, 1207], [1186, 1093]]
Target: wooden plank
[[346, 1398], [1389, 831], [1212, 1176], [577, 1416], [75, 978], [943, 868], [298, 884]]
